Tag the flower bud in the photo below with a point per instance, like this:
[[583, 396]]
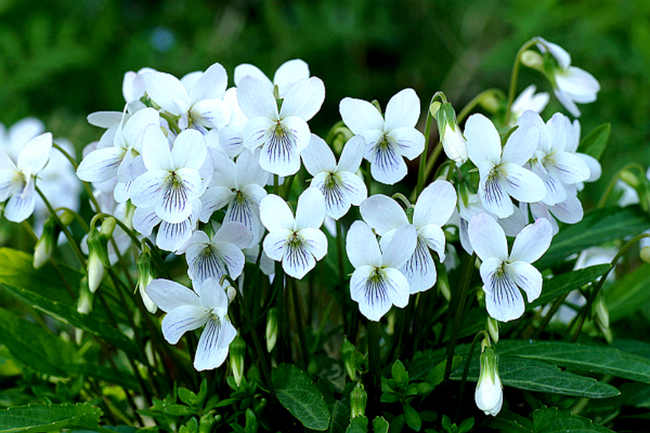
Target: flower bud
[[493, 328], [108, 226], [601, 317], [645, 254], [45, 245], [95, 271], [66, 217], [145, 276], [491, 103], [489, 392], [358, 400], [271, 328], [453, 142], [349, 356], [630, 178], [85, 301], [237, 355], [533, 60]]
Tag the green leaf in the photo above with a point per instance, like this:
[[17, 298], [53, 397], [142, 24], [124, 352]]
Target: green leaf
[[340, 417], [412, 417], [509, 422], [552, 420], [628, 294], [539, 376], [399, 373], [37, 418], [34, 346], [594, 359], [564, 283], [595, 142], [597, 227], [358, 424], [437, 374], [296, 392], [380, 425]]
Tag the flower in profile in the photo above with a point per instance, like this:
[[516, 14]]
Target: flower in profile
[[570, 83], [339, 184], [501, 173], [377, 283], [188, 310], [432, 210], [389, 139], [279, 126], [528, 100], [18, 181], [297, 242], [489, 391], [504, 274]]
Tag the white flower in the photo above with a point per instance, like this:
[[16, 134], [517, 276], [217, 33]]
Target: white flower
[[502, 174], [217, 255], [573, 141], [170, 236], [570, 84], [504, 274], [18, 181], [173, 181], [569, 211], [528, 100], [377, 283], [282, 132], [339, 184], [188, 310], [453, 142], [551, 162], [288, 74], [297, 242], [489, 391], [239, 185], [432, 210], [197, 98], [390, 139]]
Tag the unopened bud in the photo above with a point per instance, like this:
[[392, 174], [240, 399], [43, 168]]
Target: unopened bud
[[493, 328], [630, 178], [66, 217], [645, 254], [489, 391], [45, 245], [85, 301], [491, 103], [533, 60], [349, 356], [271, 328], [108, 226], [453, 142], [358, 400], [601, 318], [237, 356], [95, 271], [145, 276], [433, 108]]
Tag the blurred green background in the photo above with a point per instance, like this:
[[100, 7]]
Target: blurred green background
[[63, 59]]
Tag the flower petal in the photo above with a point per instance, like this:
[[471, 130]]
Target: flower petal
[[361, 246], [435, 205], [21, 206], [360, 116], [189, 150], [434, 238], [569, 168], [304, 99], [318, 156], [211, 84], [100, 165], [212, 348], [521, 145], [494, 196], [182, 319], [310, 211], [171, 237], [289, 73], [409, 140], [352, 154], [235, 233], [419, 270], [522, 184], [487, 238], [316, 240], [483, 141], [164, 89], [179, 190], [382, 213], [282, 146], [569, 211], [503, 299], [298, 259], [36, 153], [532, 242], [376, 290], [403, 110], [275, 213], [527, 277], [256, 98], [246, 69], [169, 295], [275, 243], [400, 247]]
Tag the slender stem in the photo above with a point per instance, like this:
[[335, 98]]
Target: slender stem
[[368, 178], [551, 312], [612, 183], [374, 360], [458, 319], [473, 103], [288, 181], [342, 280], [513, 78], [276, 184], [300, 325], [424, 155]]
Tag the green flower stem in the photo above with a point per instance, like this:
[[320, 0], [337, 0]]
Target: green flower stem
[[374, 360], [276, 184], [288, 181], [75, 165], [297, 309], [431, 162], [551, 312], [594, 293], [468, 361], [513, 78], [474, 102], [73, 244], [344, 294], [425, 153], [459, 316], [612, 182], [367, 177]]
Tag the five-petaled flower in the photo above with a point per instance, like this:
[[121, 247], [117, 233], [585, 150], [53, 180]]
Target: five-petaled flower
[[504, 274]]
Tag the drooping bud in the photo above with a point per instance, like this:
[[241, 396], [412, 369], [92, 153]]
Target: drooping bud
[[493, 328], [146, 275], [489, 391], [453, 141], [349, 356], [358, 400], [45, 244], [601, 317], [645, 254], [85, 301], [271, 328], [237, 355]]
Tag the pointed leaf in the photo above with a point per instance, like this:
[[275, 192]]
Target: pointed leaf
[[594, 143], [37, 418], [628, 294], [564, 283], [553, 420]]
